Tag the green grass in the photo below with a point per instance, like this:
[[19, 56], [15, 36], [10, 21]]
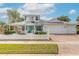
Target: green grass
[[28, 49]]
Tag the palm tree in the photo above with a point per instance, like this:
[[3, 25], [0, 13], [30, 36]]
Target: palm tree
[[13, 15], [64, 18]]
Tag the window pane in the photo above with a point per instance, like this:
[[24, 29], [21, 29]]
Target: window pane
[[37, 18], [39, 28], [23, 28]]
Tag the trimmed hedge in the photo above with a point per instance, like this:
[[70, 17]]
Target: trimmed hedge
[[40, 33], [9, 32], [77, 31]]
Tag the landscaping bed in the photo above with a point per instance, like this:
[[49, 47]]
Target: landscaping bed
[[28, 49]]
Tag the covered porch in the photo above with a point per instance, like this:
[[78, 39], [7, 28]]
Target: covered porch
[[22, 28]]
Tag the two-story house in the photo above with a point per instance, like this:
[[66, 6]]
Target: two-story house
[[30, 25]]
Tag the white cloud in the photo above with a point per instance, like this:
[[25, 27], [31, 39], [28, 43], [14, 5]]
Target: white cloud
[[37, 8], [45, 18], [4, 17], [3, 14], [73, 11], [3, 10]]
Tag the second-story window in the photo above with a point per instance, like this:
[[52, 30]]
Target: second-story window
[[32, 18], [25, 17], [37, 18]]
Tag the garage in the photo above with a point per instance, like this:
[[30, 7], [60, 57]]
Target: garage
[[59, 27]]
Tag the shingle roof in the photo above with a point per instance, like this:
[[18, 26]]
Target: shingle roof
[[56, 21], [52, 21]]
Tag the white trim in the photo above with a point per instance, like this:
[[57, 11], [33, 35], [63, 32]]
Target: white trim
[[20, 37]]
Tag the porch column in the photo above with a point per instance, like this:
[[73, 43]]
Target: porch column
[[15, 28], [25, 29], [8, 27], [48, 33], [34, 29]]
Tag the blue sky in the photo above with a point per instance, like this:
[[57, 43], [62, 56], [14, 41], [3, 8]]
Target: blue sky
[[47, 11], [11, 5]]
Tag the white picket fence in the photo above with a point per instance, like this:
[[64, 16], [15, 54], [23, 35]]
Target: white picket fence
[[24, 37]]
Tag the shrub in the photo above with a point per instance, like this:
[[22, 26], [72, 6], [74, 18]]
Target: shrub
[[40, 33], [9, 32], [77, 31]]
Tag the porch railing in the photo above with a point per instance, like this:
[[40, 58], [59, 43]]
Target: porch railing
[[20, 37]]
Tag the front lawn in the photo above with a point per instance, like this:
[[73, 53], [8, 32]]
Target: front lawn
[[28, 49]]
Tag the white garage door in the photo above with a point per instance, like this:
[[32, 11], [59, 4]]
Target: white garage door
[[57, 29], [60, 29]]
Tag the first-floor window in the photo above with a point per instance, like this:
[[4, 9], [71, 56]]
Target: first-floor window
[[12, 27], [37, 18], [39, 28], [23, 27]]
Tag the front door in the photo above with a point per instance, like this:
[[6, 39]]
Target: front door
[[30, 29]]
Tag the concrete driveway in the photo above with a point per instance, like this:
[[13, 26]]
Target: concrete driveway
[[68, 44], [65, 38], [68, 49]]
